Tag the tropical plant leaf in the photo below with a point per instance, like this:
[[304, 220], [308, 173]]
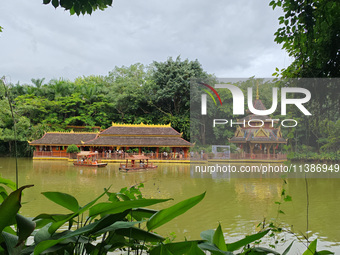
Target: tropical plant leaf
[[324, 252], [218, 239], [208, 235], [11, 242], [247, 240], [288, 249], [195, 250], [10, 207], [261, 251], [10, 184], [311, 248], [58, 224], [65, 200], [139, 234], [44, 245], [165, 251], [142, 213], [25, 227], [175, 248], [213, 249], [117, 207], [166, 215]]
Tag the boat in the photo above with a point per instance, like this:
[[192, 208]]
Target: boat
[[136, 162], [88, 158]]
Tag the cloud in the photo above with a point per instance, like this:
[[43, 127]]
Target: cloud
[[229, 38]]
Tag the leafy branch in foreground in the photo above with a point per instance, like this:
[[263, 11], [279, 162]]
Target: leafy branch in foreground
[[80, 6]]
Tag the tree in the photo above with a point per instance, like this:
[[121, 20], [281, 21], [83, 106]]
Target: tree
[[80, 6], [310, 33], [72, 149], [169, 91]]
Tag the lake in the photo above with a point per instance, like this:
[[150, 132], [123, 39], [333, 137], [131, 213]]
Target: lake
[[239, 204]]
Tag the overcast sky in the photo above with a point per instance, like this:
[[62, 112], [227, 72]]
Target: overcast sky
[[230, 38]]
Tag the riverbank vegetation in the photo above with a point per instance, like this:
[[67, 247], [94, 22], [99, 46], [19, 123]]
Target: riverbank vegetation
[[122, 224]]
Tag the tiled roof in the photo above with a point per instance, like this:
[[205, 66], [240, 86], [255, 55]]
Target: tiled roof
[[64, 138], [249, 136], [134, 141], [140, 131], [255, 117]]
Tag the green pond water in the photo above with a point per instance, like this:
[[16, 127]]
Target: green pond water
[[239, 204]]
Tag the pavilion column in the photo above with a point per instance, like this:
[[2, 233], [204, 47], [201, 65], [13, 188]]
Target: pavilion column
[[157, 152], [251, 145], [268, 150], [139, 151], [185, 152], [173, 152], [274, 149]]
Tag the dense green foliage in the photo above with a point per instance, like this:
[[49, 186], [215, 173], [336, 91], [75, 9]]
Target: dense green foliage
[[310, 32], [80, 6], [72, 149], [120, 224], [154, 94]]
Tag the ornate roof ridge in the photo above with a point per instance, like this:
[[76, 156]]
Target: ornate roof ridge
[[70, 132], [141, 125]]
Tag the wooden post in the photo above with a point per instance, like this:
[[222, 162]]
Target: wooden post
[[185, 152], [139, 151], [268, 150], [157, 152]]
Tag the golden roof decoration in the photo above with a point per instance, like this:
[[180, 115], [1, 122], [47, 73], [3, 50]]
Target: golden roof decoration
[[69, 132], [261, 130], [141, 125]]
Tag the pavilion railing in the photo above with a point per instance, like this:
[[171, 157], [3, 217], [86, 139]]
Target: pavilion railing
[[54, 154], [167, 156]]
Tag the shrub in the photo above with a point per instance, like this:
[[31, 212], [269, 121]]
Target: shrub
[[72, 149]]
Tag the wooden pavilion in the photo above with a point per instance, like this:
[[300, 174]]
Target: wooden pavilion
[[117, 138], [258, 138], [127, 136]]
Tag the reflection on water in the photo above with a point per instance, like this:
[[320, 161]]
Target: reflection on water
[[238, 204]]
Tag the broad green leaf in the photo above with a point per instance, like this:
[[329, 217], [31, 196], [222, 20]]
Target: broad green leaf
[[109, 220], [175, 248], [218, 239], [325, 252], [58, 224], [195, 250], [65, 200], [261, 250], [288, 249], [11, 242], [213, 249], [10, 207], [208, 235], [44, 245], [117, 207], [25, 227], [311, 248], [10, 184], [165, 251], [117, 225], [247, 240], [10, 230], [143, 213], [42, 234], [166, 215], [139, 234]]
